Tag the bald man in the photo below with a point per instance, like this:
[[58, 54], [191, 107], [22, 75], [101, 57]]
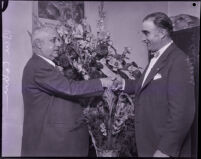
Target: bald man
[[50, 105]]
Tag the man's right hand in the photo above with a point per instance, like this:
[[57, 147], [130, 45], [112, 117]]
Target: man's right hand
[[118, 84], [113, 83], [106, 82]]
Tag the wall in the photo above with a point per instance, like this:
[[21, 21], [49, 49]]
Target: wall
[[175, 8], [17, 19], [123, 21]]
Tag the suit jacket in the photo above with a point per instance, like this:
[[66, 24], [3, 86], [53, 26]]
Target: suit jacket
[[165, 106], [51, 111]]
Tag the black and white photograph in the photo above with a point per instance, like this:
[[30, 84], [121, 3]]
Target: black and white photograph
[[100, 78]]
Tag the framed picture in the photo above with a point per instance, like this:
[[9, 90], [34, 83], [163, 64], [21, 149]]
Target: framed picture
[[61, 10]]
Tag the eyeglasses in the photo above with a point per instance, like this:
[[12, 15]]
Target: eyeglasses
[[55, 39]]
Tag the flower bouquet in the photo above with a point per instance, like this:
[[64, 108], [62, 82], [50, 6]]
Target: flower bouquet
[[110, 118]]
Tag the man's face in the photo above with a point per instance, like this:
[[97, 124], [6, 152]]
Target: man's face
[[50, 44], [151, 35]]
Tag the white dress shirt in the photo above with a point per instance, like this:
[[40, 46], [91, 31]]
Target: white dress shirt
[[48, 60], [155, 59]]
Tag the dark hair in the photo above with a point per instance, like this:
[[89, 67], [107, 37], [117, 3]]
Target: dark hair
[[161, 20]]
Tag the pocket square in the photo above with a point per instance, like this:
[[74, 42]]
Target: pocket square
[[157, 76]]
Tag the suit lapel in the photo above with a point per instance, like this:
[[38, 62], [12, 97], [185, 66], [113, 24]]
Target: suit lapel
[[161, 62], [41, 61], [141, 79]]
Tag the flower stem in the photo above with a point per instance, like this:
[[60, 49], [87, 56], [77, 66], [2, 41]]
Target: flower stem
[[109, 133]]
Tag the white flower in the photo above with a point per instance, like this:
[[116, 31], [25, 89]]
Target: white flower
[[103, 129], [67, 40], [102, 126], [62, 30], [71, 22], [77, 65], [86, 77], [115, 63], [104, 134], [131, 68], [110, 43], [78, 31], [82, 43]]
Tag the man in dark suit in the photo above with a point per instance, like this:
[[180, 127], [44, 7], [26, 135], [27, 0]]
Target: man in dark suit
[[165, 101], [50, 102]]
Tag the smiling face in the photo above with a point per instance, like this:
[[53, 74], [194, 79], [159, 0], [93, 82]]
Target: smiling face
[[152, 35]]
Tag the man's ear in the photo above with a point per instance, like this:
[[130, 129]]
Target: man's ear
[[163, 33], [39, 43]]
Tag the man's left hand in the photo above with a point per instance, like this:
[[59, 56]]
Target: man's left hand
[[158, 153], [117, 83]]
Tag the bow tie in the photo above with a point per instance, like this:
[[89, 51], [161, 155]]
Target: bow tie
[[155, 54]]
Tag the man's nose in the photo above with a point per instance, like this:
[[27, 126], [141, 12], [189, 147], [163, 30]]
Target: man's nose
[[144, 39], [58, 42]]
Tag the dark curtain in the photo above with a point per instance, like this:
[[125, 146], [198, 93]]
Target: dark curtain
[[188, 40]]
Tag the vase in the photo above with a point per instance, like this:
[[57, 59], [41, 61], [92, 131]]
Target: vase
[[107, 153]]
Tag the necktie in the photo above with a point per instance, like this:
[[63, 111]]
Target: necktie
[[152, 62]]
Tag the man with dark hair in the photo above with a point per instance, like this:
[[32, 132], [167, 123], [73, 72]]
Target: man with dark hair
[[161, 20], [165, 101], [51, 108]]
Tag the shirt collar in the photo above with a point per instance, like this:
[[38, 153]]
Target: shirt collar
[[48, 60], [162, 50]]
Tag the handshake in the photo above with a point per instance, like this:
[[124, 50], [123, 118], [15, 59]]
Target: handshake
[[113, 83]]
